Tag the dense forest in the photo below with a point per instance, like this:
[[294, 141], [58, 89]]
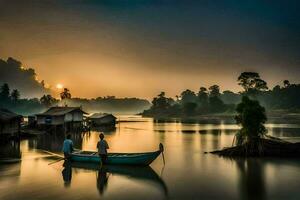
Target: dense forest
[[211, 100]]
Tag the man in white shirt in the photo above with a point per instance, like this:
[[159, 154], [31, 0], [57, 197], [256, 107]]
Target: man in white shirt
[[102, 147]]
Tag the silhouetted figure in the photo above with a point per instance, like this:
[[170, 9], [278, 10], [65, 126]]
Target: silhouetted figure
[[68, 147], [102, 147], [67, 173], [102, 180]]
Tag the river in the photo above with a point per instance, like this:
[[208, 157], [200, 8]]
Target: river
[[188, 173]]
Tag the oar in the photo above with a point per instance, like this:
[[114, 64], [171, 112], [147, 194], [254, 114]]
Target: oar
[[162, 149], [51, 153], [54, 154], [56, 161]]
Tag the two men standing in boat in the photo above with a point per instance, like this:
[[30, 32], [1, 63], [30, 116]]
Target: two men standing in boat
[[102, 147]]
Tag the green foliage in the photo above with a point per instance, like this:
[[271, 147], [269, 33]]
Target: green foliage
[[229, 97], [216, 105], [202, 100], [188, 104], [4, 92], [161, 104], [48, 100], [251, 116], [214, 91], [188, 96], [14, 103], [252, 83], [15, 95], [189, 108]]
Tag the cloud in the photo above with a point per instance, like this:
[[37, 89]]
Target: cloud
[[17, 77]]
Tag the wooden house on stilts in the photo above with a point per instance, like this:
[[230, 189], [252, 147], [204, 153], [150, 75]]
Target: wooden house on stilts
[[65, 118]]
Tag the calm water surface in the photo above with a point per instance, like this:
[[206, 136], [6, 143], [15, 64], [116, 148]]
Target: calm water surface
[[187, 174]]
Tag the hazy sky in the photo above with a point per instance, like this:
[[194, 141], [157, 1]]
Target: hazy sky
[[141, 47]]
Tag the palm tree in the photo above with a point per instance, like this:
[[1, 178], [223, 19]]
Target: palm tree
[[65, 94]]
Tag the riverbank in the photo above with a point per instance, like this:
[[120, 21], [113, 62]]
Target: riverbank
[[264, 147]]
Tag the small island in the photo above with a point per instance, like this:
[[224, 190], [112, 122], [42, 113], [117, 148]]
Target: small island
[[252, 140]]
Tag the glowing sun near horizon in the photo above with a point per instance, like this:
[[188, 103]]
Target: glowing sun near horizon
[[59, 86]]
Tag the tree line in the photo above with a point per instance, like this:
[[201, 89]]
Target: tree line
[[11, 99], [211, 100]]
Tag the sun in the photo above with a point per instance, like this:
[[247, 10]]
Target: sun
[[59, 86]]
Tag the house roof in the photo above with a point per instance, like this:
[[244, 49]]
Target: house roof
[[100, 115], [57, 111], [6, 115]]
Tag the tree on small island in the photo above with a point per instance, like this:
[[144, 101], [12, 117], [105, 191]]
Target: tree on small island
[[251, 116], [251, 139]]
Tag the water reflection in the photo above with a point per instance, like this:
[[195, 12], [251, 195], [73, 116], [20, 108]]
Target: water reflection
[[10, 150], [53, 141], [251, 179], [188, 173], [203, 120], [104, 129], [103, 173], [102, 180], [67, 173]]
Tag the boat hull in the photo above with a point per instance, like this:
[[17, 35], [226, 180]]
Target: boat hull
[[117, 158]]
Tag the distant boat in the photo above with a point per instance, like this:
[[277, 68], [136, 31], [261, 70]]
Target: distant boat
[[142, 159]]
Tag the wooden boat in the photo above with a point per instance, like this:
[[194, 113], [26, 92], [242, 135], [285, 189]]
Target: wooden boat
[[118, 158]]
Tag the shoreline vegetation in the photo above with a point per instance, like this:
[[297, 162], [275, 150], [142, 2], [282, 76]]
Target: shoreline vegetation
[[263, 147], [110, 104], [280, 100]]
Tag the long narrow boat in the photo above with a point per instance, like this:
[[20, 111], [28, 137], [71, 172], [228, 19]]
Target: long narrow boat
[[118, 158]]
